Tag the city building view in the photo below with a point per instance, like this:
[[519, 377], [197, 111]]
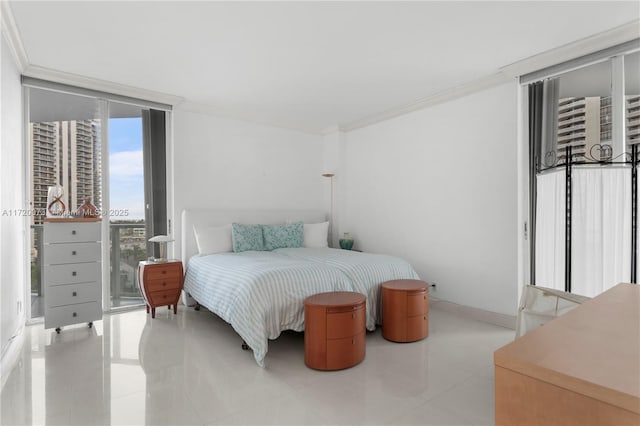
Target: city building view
[[68, 153], [585, 123]]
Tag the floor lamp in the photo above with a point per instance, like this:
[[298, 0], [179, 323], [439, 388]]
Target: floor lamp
[[330, 176]]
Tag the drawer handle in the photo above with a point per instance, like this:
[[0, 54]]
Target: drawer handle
[[164, 296], [164, 272], [353, 341], [425, 298], [425, 318], [73, 232], [164, 283], [74, 314], [73, 253], [74, 273], [74, 294]]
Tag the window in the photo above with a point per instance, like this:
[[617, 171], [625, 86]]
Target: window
[[583, 135]]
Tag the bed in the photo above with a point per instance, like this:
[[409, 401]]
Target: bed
[[261, 293]]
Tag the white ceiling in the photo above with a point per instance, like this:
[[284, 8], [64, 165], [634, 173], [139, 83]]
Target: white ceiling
[[304, 65]]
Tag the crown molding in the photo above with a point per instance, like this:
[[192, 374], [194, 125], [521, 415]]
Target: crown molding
[[576, 49], [200, 108], [12, 36], [62, 77], [330, 130], [443, 96]]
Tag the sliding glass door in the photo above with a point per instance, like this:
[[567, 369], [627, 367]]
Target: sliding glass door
[[127, 233], [65, 138], [96, 149]]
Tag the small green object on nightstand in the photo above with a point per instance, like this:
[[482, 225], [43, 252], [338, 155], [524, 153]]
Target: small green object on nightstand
[[346, 242]]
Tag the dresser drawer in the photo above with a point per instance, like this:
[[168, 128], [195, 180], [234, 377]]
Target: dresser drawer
[[163, 271], [346, 352], [166, 297], [71, 232], [71, 253], [346, 324], [72, 273], [163, 284], [72, 314], [70, 294], [417, 303]]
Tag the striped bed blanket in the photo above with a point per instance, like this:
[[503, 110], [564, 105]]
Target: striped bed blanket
[[261, 293]]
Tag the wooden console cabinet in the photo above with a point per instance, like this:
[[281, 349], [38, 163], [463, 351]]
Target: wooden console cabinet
[[582, 368], [405, 310], [160, 284], [334, 335]]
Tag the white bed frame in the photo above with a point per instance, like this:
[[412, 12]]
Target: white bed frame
[[219, 217]]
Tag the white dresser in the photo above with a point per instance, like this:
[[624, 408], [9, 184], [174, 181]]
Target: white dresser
[[72, 272]]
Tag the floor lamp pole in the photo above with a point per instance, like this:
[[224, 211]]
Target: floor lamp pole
[[330, 176]]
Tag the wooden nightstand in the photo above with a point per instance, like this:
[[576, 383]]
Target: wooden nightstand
[[160, 284], [334, 334], [405, 310]]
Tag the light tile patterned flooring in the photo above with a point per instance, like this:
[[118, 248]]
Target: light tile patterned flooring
[[189, 369]]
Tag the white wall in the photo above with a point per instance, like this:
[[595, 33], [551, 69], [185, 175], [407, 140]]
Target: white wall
[[231, 164], [12, 251], [438, 187]]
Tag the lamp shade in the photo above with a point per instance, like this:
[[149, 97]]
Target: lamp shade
[[160, 239]]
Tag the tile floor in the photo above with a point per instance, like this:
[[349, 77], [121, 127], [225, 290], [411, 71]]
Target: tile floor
[[190, 369]]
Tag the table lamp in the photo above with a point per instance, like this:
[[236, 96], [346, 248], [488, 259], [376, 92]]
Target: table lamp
[[162, 241]]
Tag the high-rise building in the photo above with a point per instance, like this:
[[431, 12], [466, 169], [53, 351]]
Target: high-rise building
[[633, 120], [65, 153], [586, 122]]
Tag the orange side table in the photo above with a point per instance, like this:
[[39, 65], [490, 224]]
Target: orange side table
[[405, 310], [334, 335], [160, 284]]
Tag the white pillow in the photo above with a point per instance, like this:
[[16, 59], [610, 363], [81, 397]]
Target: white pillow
[[315, 234], [213, 239]]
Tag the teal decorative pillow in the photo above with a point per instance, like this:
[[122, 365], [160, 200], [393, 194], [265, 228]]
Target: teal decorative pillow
[[283, 236], [247, 237]]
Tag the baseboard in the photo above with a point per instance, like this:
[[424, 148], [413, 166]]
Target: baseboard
[[11, 356], [502, 320]]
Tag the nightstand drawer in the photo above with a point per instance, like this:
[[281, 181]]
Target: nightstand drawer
[[61, 295], [72, 273], [162, 271], [343, 353], [417, 304], [417, 327], [163, 284], [55, 254], [71, 232], [166, 297], [345, 324], [72, 314]]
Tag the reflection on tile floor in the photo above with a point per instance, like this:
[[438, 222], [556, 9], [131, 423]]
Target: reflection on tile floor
[[189, 369]]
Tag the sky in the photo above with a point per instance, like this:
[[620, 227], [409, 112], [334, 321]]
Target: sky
[[126, 178]]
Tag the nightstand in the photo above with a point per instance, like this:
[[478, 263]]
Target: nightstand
[[405, 310], [334, 330], [160, 284]]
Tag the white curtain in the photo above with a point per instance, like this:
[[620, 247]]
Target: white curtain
[[550, 224], [601, 229]]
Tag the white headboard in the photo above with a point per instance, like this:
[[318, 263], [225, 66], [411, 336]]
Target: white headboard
[[217, 217]]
